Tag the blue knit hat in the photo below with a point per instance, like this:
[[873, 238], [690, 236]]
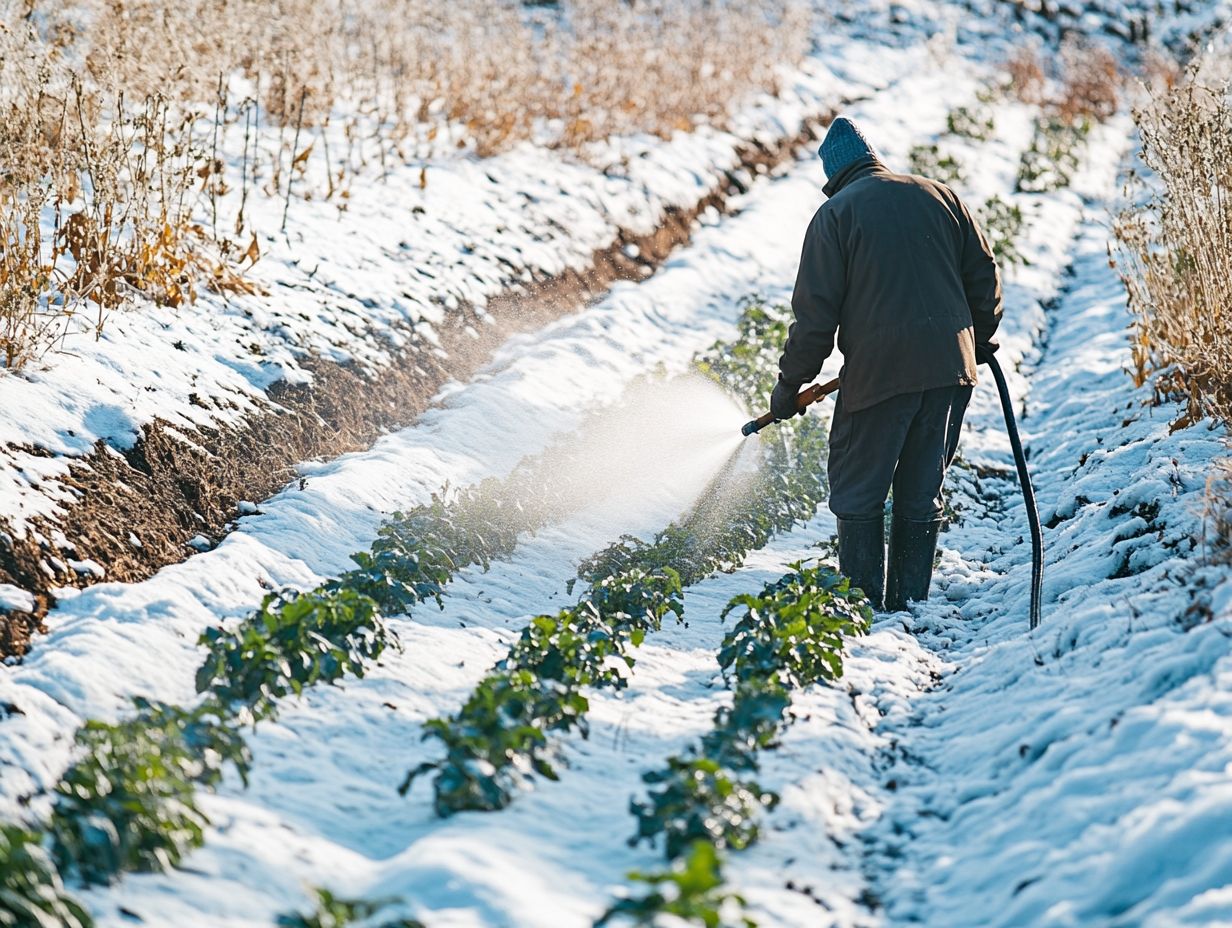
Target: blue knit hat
[[843, 144]]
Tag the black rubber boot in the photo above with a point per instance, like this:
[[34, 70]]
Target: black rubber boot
[[913, 546], [861, 555]]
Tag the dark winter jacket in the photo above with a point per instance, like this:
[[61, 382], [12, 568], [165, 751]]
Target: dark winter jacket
[[896, 265]]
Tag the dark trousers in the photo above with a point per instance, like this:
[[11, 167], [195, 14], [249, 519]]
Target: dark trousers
[[905, 443]]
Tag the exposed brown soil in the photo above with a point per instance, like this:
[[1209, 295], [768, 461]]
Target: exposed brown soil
[[165, 490]]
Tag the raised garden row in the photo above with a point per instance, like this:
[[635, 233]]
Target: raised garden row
[[705, 801]]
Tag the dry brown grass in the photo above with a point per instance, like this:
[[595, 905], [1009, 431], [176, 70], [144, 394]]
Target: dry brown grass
[[1087, 81], [1026, 74], [93, 199], [1175, 256], [1217, 515], [1091, 84], [1176, 249], [114, 109], [592, 68]]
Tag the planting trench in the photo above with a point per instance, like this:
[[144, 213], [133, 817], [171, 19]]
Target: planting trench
[[885, 777], [400, 838]]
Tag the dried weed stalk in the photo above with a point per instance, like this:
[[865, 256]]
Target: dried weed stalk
[[1091, 83], [1088, 81], [1176, 249], [1026, 75], [1217, 517], [95, 194], [590, 68]]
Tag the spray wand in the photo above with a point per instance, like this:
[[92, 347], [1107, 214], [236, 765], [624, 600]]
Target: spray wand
[[807, 397]]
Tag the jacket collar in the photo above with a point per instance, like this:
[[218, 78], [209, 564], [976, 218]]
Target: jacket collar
[[861, 167]]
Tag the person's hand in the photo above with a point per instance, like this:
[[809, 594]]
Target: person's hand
[[984, 352], [783, 399]]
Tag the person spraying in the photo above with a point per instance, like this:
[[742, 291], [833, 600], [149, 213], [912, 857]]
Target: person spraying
[[896, 268]]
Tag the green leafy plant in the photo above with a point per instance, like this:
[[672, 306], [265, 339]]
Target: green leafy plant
[[128, 803], [971, 122], [698, 799], [750, 724], [567, 647], [634, 600], [791, 635], [1049, 164], [748, 366], [498, 736], [334, 912], [1002, 224], [295, 640], [691, 889], [416, 553], [412, 558], [931, 162], [793, 631], [32, 894]]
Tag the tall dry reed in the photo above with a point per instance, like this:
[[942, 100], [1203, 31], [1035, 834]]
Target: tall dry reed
[[115, 110], [94, 197], [1176, 248]]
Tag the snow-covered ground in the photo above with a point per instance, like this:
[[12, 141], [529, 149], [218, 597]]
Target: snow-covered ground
[[411, 247], [113, 641], [972, 773], [964, 772]]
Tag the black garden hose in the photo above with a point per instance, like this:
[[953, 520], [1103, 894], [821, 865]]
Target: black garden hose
[[1028, 494]]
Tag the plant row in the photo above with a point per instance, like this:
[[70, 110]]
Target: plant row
[[129, 802], [505, 731], [1060, 132], [706, 801], [1001, 221], [1053, 157], [1087, 91]]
